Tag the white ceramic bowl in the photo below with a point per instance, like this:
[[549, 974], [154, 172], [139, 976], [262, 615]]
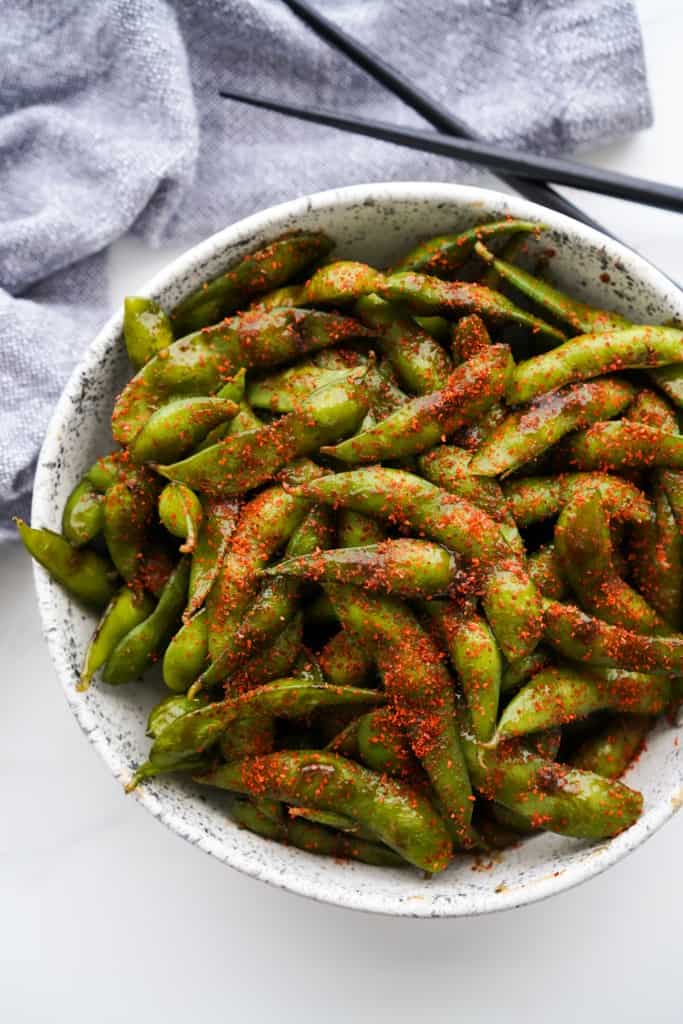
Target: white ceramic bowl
[[374, 223]]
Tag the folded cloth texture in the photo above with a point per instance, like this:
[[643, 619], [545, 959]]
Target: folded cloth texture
[[110, 122]]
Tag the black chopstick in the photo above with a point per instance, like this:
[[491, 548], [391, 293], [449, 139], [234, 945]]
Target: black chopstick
[[563, 172], [438, 116]]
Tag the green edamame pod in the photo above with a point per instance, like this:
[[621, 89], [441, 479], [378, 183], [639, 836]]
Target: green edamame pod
[[591, 355], [420, 362], [260, 271], [624, 445], [476, 658], [443, 255], [610, 751], [199, 363], [524, 435], [242, 462], [180, 511], [108, 470], [591, 641], [124, 612], [581, 317], [553, 796], [145, 643], [175, 705], [83, 516], [186, 655], [532, 499], [146, 329], [384, 397], [87, 576], [284, 698], [178, 426], [128, 516], [513, 248], [265, 524], [423, 294], [218, 522], [652, 409], [436, 326], [562, 694], [421, 423], [339, 282], [399, 816], [469, 338], [407, 568], [669, 379], [449, 468], [234, 388]]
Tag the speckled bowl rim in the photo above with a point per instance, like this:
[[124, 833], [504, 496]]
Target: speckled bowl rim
[[295, 878]]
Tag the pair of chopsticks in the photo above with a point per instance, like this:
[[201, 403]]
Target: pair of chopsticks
[[526, 173]]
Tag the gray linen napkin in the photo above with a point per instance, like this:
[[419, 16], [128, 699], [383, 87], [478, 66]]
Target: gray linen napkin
[[110, 122]]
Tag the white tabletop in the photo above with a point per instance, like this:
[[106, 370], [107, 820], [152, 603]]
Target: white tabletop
[[106, 916]]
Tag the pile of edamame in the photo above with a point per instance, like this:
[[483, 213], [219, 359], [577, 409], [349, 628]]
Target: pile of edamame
[[407, 543]]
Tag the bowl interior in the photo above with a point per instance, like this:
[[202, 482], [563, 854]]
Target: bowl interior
[[374, 223]]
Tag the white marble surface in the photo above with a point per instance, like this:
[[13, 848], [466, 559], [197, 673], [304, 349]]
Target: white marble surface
[[106, 916]]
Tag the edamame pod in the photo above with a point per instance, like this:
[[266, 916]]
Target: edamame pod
[[583, 542], [421, 423], [146, 329], [443, 255], [476, 658], [339, 282], [423, 294], [399, 816], [178, 427], [524, 435], [624, 445], [87, 576], [407, 568], [591, 355], [186, 655], [83, 516], [420, 689], [591, 641], [581, 317], [124, 612], [180, 511], [260, 271], [145, 643], [345, 662], [558, 695]]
